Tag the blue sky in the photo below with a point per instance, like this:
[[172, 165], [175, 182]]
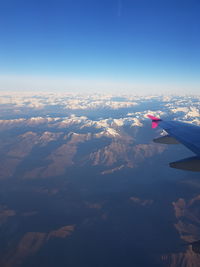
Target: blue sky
[[97, 45]]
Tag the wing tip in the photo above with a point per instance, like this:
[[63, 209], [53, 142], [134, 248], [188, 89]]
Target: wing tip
[[155, 121], [153, 118]]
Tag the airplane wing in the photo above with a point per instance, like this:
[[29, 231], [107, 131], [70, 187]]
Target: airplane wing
[[179, 132]]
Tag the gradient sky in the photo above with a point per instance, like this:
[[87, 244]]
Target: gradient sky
[[100, 45]]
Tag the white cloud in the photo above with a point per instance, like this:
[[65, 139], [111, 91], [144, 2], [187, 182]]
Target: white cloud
[[65, 101]]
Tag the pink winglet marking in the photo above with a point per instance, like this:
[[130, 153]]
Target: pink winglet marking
[[153, 118], [154, 124], [155, 121]]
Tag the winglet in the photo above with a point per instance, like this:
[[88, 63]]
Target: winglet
[[155, 121]]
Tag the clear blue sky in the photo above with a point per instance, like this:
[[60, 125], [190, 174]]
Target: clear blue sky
[[100, 43]]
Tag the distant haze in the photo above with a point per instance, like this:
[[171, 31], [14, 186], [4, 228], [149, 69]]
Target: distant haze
[[21, 83]]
